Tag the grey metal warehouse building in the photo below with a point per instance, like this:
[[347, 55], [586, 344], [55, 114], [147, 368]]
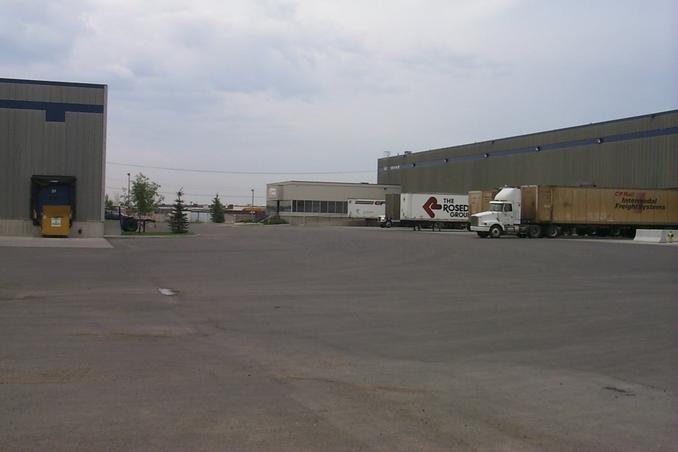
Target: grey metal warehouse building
[[309, 202], [637, 152], [52, 132]]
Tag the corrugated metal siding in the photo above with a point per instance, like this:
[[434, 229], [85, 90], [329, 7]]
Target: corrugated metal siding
[[29, 146], [645, 162]]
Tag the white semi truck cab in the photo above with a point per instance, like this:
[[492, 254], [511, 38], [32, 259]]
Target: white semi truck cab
[[503, 216]]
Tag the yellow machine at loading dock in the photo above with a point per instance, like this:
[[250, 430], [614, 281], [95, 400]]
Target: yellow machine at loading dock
[[56, 221], [53, 204]]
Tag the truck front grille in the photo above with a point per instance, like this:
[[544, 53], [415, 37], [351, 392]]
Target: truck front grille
[[474, 220]]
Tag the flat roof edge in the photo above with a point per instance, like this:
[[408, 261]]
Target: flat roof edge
[[362, 184], [524, 135], [20, 81]]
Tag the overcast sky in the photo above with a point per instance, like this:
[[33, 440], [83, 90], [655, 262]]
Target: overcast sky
[[330, 86]]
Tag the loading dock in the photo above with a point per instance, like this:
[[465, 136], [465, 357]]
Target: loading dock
[[53, 204]]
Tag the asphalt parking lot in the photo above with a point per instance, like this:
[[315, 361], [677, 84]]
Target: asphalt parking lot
[[303, 338]]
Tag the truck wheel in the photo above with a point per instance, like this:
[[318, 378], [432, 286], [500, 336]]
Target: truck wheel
[[552, 231], [495, 231], [388, 223], [482, 234], [534, 231]]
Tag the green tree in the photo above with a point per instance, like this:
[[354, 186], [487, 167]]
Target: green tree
[[144, 196], [108, 202], [177, 218], [217, 210]]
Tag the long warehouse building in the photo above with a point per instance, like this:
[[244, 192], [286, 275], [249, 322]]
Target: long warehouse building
[[637, 152], [310, 202]]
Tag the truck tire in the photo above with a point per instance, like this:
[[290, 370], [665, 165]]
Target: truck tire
[[482, 234], [388, 224], [534, 231], [552, 231], [495, 231]]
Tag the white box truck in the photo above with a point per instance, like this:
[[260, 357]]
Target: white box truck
[[431, 209], [368, 209]]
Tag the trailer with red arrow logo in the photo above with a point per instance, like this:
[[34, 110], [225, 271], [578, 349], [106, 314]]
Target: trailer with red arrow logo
[[432, 209]]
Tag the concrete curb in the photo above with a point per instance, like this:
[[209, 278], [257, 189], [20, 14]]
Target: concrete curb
[[655, 235]]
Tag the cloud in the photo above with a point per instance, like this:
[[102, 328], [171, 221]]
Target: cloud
[[325, 84], [37, 32]]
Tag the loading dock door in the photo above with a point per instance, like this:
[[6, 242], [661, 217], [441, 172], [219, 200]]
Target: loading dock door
[[53, 203]]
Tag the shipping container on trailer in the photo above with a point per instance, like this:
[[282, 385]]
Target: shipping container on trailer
[[391, 210], [541, 210]]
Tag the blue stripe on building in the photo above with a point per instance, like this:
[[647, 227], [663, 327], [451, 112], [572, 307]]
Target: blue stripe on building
[[54, 111]]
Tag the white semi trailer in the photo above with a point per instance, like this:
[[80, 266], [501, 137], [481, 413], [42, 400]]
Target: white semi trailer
[[432, 209], [368, 209]]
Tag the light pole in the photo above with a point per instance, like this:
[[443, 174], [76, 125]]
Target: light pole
[[128, 183], [252, 197]]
